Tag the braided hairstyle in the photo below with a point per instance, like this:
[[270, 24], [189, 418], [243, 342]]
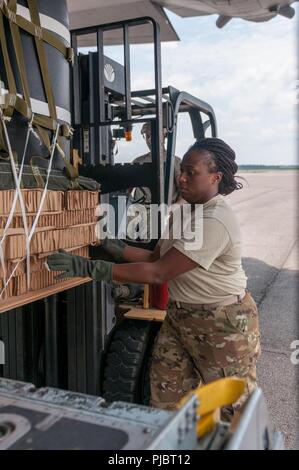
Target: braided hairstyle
[[220, 157]]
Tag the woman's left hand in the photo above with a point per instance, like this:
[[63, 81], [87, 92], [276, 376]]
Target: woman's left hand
[[77, 266]]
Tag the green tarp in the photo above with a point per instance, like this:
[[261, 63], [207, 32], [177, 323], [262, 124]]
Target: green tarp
[[57, 180]]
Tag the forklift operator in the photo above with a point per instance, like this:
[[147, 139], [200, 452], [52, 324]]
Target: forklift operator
[[211, 327], [145, 192], [143, 195]]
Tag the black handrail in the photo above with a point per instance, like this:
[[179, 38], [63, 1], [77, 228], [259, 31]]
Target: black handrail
[[178, 98]]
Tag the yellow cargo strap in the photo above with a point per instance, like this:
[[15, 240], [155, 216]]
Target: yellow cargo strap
[[47, 36], [212, 397]]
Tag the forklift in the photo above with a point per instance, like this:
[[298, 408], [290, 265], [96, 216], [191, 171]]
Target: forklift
[[67, 340], [83, 354], [98, 105]]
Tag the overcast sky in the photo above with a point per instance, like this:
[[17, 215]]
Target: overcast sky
[[246, 71]]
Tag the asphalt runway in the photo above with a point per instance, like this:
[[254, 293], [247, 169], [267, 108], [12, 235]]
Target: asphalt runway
[[267, 209]]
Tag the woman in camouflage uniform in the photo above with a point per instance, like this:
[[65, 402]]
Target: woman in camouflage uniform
[[211, 327]]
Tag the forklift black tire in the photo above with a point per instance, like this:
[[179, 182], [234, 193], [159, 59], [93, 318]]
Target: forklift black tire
[[127, 364]]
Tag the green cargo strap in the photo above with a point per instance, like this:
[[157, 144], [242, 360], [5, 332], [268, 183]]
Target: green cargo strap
[[44, 137], [2, 144], [35, 171], [42, 59], [16, 38], [48, 123], [10, 79], [70, 55], [72, 173], [15, 102], [7, 64], [12, 4], [9, 73], [44, 121], [11, 101], [70, 170], [47, 36], [66, 131]]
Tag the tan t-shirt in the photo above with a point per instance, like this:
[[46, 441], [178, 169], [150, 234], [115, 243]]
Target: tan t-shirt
[[219, 273]]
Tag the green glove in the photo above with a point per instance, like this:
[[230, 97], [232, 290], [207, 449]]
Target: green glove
[[114, 247], [77, 266]]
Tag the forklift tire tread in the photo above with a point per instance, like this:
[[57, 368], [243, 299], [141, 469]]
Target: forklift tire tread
[[125, 360]]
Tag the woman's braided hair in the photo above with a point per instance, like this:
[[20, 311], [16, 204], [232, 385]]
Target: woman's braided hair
[[221, 158]]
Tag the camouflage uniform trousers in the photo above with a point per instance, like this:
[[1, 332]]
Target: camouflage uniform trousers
[[197, 346]]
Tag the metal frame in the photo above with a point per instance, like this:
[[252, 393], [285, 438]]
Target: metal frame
[[180, 102], [24, 408], [184, 102], [127, 112], [254, 428]]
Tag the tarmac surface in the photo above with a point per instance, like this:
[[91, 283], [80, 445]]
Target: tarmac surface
[[268, 213]]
